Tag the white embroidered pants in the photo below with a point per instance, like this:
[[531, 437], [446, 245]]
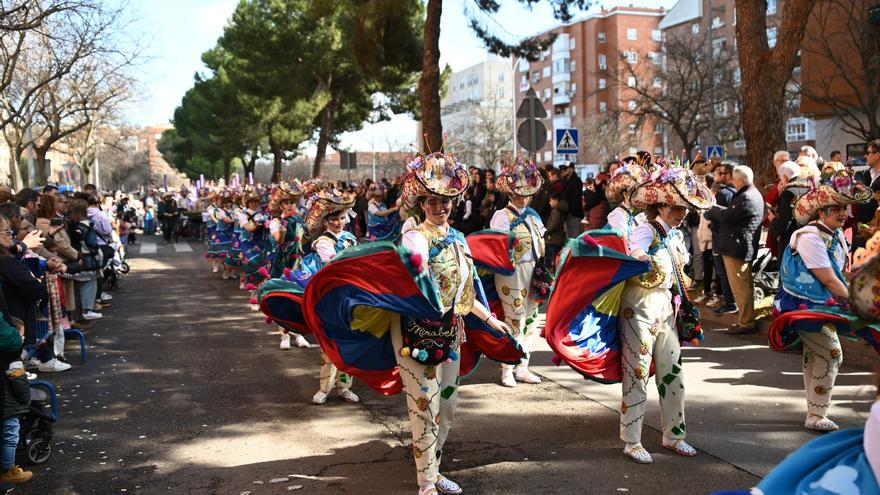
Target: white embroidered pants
[[822, 359], [431, 398], [520, 310], [332, 377], [647, 330]]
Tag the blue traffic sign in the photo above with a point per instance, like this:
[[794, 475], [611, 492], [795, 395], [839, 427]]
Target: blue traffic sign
[[715, 151], [567, 141]]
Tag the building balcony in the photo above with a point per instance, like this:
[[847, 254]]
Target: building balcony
[[561, 122], [561, 77], [562, 99]]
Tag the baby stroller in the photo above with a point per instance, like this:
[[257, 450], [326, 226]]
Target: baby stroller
[[114, 265], [35, 437], [765, 274]]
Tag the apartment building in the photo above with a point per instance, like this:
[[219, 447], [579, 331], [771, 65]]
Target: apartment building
[[575, 80], [715, 20], [477, 110]]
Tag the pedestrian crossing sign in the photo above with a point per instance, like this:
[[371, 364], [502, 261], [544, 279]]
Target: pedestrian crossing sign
[[567, 141], [715, 151]]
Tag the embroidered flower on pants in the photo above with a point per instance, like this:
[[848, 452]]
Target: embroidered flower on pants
[[821, 390], [623, 407], [628, 313], [422, 403], [431, 372], [640, 372], [416, 452], [654, 328], [437, 419], [835, 352], [643, 349]]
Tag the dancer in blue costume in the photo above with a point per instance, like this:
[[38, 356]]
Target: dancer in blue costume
[[287, 230], [222, 241], [813, 274], [325, 222], [212, 254], [233, 253], [255, 246], [383, 223]]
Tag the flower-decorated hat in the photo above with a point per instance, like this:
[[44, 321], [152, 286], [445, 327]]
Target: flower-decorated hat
[[672, 184], [322, 204], [436, 174], [292, 189], [840, 189], [623, 180], [519, 176]]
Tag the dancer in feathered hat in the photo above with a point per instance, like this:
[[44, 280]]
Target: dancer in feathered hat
[[520, 180], [287, 230]]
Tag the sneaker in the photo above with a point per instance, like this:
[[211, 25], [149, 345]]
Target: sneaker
[[226, 276], [31, 376], [715, 301], [320, 397], [301, 341], [701, 299], [285, 341], [215, 269], [348, 395], [16, 475], [447, 487], [106, 297], [507, 378], [527, 377], [241, 286], [53, 366], [91, 315], [727, 309]]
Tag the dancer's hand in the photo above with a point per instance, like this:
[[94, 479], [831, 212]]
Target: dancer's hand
[[499, 325]]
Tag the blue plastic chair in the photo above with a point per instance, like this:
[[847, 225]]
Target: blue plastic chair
[[76, 332], [51, 391]]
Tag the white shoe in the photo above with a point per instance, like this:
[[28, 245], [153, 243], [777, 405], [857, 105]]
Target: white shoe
[[638, 454], [348, 395], [285, 341], [106, 297], [507, 378], [527, 377], [53, 366], [701, 299], [447, 487], [319, 398], [31, 376], [715, 302], [91, 315], [255, 307], [301, 341], [215, 269], [226, 276], [241, 286]]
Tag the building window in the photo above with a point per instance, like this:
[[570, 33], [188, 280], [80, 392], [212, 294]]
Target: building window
[[631, 81], [574, 110], [546, 71], [800, 129], [737, 76], [632, 57], [771, 37], [718, 45], [603, 63], [548, 156], [574, 88], [632, 34], [658, 83], [721, 109], [601, 37], [771, 7], [632, 128], [657, 35], [603, 106], [655, 57], [500, 77], [695, 29], [633, 104], [602, 83], [717, 22], [536, 76], [658, 151], [571, 44], [546, 93], [573, 65], [658, 128]]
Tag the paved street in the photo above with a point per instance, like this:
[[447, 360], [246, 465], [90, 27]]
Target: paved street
[[186, 392]]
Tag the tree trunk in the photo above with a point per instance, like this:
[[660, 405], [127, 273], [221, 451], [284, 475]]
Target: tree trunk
[[765, 73], [251, 164], [41, 174], [429, 84], [328, 115], [227, 169], [276, 160]]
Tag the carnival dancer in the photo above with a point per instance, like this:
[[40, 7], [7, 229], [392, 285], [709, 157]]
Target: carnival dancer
[[624, 180], [233, 253], [812, 275], [328, 214], [287, 229], [255, 253], [650, 305], [223, 234], [382, 222], [520, 180], [212, 253]]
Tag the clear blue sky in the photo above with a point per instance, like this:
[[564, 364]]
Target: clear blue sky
[[180, 30]]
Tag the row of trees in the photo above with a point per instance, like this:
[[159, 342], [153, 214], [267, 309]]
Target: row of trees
[[65, 73]]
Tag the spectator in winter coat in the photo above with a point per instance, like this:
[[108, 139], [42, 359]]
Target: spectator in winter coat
[[791, 186], [738, 236], [573, 192], [554, 237]]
